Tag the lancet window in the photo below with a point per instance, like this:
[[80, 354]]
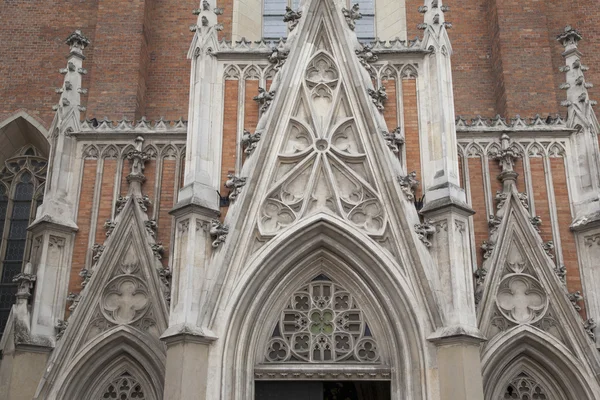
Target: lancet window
[[274, 28], [322, 322], [21, 192]]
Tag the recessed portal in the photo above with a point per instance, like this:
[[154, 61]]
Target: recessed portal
[[360, 390]]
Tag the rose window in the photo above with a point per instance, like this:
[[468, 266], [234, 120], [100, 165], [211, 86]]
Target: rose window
[[322, 323]]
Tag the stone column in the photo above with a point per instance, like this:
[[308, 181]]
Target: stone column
[[195, 216], [447, 212]]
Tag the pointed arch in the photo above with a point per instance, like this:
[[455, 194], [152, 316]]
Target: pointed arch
[[19, 130], [110, 151], [232, 72], [533, 351], [535, 150], [169, 152], [252, 72], [409, 72], [100, 360], [324, 245]]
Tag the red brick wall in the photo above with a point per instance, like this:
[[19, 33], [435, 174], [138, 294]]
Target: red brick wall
[[390, 112], [540, 196], [563, 210], [480, 219], [167, 201], [148, 186], [230, 145], [84, 219], [106, 198], [117, 88], [411, 129]]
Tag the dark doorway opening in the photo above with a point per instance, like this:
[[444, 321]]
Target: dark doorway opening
[[326, 390]]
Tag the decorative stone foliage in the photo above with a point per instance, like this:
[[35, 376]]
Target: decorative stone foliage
[[250, 141], [425, 231], [219, 232], [378, 96], [409, 185], [234, 184], [351, 15], [322, 322], [292, 18]]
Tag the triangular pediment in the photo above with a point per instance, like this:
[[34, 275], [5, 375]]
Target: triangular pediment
[[124, 293], [322, 157], [523, 287]]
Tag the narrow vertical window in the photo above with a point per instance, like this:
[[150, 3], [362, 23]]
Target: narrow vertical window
[[365, 27], [22, 177]]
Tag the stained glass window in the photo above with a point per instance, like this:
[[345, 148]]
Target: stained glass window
[[21, 186]]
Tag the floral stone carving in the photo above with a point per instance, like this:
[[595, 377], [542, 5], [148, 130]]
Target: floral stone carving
[[521, 299]]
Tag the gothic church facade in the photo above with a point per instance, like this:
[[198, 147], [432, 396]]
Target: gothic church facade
[[330, 218]]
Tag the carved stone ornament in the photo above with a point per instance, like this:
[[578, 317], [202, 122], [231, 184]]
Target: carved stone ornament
[[144, 202], [125, 299], [124, 387], [25, 283], [500, 198], [409, 185], [536, 222], [157, 249], [394, 140], [234, 184], [73, 299], [488, 248], [165, 275], [574, 298], [151, 227], [561, 273], [366, 57], [548, 248], [219, 232], [278, 57], [292, 18], [352, 15], [322, 322], [480, 275], [264, 99], [590, 327], [378, 97], [110, 226], [521, 299], [425, 232], [494, 222], [525, 388], [250, 141], [61, 327], [97, 251], [120, 203], [86, 274]]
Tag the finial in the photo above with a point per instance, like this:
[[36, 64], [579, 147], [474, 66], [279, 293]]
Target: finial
[[77, 42], [506, 158], [575, 85], [138, 159]]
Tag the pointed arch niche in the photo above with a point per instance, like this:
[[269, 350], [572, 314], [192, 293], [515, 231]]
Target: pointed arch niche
[[23, 166], [315, 305], [530, 364]]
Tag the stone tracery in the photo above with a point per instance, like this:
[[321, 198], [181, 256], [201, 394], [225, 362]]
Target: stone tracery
[[322, 159], [322, 323]]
